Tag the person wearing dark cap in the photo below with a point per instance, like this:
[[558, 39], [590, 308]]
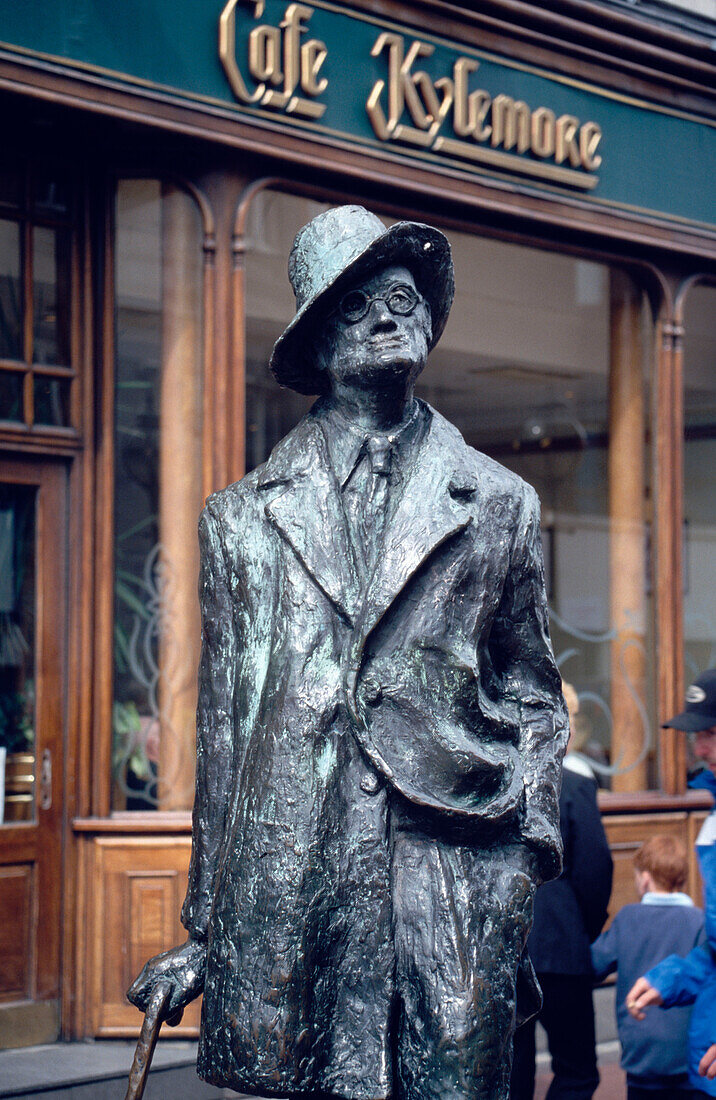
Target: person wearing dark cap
[[380, 722], [692, 980]]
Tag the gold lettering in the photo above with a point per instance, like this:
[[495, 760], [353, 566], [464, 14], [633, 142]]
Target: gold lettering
[[511, 162], [375, 112], [427, 102], [265, 54], [543, 126], [589, 137], [293, 29], [402, 83], [276, 57], [394, 45], [426, 89], [446, 86], [425, 138], [227, 52], [510, 123], [313, 54], [470, 110], [464, 117], [408, 84], [566, 143], [483, 102]]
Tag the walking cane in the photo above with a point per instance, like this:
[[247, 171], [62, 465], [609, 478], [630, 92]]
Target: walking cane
[[148, 1040]]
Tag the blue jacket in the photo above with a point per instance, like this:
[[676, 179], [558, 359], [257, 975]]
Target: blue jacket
[[640, 936], [693, 980]]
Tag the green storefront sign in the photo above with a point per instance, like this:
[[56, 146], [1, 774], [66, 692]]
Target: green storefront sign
[[325, 69]]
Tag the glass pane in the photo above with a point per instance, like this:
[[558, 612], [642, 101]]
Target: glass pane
[[273, 221], [52, 401], [17, 650], [51, 195], [10, 291], [158, 406], [534, 345], [11, 396], [51, 296], [11, 180], [699, 547]]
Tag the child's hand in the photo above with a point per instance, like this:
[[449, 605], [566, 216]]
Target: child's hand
[[641, 996], [707, 1065]]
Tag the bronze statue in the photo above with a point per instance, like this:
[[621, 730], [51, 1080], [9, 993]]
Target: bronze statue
[[380, 722]]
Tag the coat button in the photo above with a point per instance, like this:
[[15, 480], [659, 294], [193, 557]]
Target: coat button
[[370, 783], [372, 693]]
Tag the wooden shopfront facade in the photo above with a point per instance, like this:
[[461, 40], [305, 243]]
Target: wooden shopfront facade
[[157, 161]]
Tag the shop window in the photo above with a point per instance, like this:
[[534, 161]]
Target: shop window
[[36, 353], [699, 545], [273, 221], [544, 365], [158, 493]]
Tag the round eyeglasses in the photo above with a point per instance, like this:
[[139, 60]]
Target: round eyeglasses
[[401, 300]]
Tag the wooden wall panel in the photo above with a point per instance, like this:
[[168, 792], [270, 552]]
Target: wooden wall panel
[[626, 834], [17, 887], [136, 888], [132, 887]]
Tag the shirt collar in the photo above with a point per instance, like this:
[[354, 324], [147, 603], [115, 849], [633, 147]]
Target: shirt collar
[[346, 440], [676, 898], [703, 780]]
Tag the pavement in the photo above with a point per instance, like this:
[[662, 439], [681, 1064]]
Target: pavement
[[612, 1084], [98, 1070]]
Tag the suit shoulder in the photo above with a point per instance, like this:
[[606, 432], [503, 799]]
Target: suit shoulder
[[505, 481], [490, 474], [226, 505]]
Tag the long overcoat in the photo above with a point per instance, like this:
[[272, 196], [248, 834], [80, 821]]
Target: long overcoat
[[377, 777]]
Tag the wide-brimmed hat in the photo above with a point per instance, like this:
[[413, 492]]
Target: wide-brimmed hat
[[344, 245], [700, 710]]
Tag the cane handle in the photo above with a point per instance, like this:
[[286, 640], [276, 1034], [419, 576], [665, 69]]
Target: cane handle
[[147, 1041]]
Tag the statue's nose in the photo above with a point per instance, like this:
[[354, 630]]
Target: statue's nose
[[381, 317]]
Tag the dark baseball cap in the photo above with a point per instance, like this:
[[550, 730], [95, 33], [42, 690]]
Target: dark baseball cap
[[700, 710]]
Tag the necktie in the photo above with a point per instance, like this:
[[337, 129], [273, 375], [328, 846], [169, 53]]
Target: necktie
[[375, 499]]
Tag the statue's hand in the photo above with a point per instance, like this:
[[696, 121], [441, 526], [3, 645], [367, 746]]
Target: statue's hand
[[181, 971]]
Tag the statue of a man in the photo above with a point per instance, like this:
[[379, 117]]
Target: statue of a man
[[380, 721]]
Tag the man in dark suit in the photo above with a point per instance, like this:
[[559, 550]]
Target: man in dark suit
[[380, 718], [569, 914]]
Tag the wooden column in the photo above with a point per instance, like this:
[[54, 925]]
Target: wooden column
[[627, 550], [668, 522], [180, 484]]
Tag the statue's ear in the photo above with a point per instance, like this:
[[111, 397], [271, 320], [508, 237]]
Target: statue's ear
[[428, 323]]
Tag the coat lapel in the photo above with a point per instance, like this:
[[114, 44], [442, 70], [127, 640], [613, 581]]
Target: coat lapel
[[435, 503], [303, 503]]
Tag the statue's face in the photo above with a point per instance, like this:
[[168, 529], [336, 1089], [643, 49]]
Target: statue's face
[[378, 332]]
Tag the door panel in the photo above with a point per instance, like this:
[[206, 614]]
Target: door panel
[[32, 643]]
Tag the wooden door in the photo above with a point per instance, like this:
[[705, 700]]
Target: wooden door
[[32, 646]]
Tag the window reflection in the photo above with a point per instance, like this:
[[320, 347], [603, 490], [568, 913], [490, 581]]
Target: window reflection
[[51, 266], [158, 405], [10, 291], [11, 401], [35, 330], [11, 182], [52, 401], [17, 649], [51, 194]]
